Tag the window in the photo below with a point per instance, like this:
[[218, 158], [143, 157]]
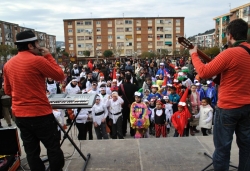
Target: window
[[150, 43], [168, 36], [138, 36], [138, 51], [149, 21], [138, 44], [110, 44], [80, 38], [150, 36], [109, 29], [119, 22], [138, 21], [178, 21], [128, 43], [120, 37], [159, 28], [79, 23], [69, 23], [99, 44], [119, 29], [70, 30], [80, 45], [150, 28], [88, 30], [88, 37], [89, 45], [98, 29], [98, 37], [71, 45], [159, 21], [70, 38], [128, 37], [159, 36], [109, 22], [110, 36], [129, 51], [138, 28], [168, 28], [128, 22], [80, 30], [168, 21], [80, 52], [159, 43], [98, 22], [120, 44], [128, 29], [88, 23], [177, 28]]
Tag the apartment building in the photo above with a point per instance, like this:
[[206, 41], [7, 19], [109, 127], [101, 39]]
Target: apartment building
[[8, 33], [222, 21], [206, 39], [124, 36]]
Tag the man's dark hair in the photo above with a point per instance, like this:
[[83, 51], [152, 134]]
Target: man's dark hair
[[24, 46], [238, 29]]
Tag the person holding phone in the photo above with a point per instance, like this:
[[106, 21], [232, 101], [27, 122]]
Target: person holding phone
[[24, 81]]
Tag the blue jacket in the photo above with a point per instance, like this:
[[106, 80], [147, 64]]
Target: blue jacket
[[161, 71], [211, 93], [174, 98], [202, 93], [157, 95]]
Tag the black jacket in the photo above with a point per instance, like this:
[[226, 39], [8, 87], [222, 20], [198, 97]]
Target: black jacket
[[129, 89]]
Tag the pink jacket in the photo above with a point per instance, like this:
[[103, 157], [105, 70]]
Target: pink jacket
[[194, 102]]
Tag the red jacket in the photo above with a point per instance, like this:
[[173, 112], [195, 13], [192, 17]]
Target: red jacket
[[180, 120]]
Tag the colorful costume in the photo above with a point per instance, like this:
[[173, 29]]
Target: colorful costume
[[139, 118]]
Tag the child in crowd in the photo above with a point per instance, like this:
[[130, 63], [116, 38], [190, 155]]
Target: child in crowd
[[99, 113], [174, 99], [146, 94], [169, 109], [205, 115], [152, 106], [147, 84], [146, 135], [180, 118], [154, 92], [115, 108], [159, 117], [195, 101], [139, 119]]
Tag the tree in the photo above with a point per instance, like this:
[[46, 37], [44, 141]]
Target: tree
[[224, 40], [107, 53], [164, 52], [5, 51], [86, 53], [212, 52], [64, 53], [13, 51], [184, 52], [145, 54]]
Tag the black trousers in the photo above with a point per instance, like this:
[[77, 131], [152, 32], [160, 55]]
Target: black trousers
[[117, 129], [41, 129], [83, 129], [100, 131], [204, 131], [126, 119]]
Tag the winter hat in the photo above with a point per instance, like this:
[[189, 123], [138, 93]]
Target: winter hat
[[184, 69], [114, 75], [138, 94], [183, 99]]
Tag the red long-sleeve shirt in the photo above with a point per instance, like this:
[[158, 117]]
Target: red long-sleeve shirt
[[234, 66], [24, 81]]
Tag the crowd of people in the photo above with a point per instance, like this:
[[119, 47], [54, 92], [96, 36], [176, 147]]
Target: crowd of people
[[152, 95]]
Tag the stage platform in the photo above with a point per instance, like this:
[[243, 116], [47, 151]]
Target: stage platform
[[172, 154]]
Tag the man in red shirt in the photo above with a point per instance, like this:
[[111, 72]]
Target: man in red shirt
[[233, 107], [24, 81]]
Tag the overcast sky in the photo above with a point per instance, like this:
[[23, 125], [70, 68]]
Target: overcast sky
[[47, 15]]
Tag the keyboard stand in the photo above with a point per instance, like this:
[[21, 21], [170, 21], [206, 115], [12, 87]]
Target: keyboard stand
[[66, 135]]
